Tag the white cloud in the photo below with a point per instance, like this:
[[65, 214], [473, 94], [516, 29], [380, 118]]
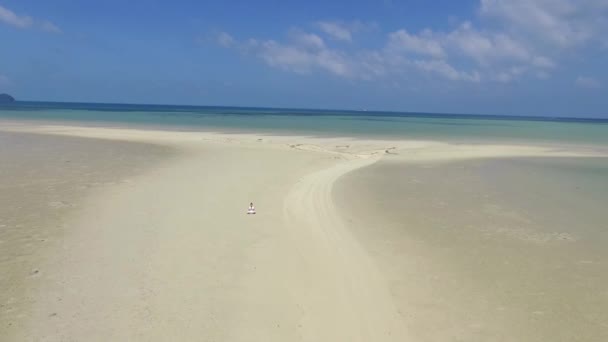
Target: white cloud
[[509, 74], [23, 21], [305, 52], [9, 17], [50, 27], [224, 39], [344, 30], [485, 47], [513, 39], [563, 23], [423, 44], [501, 57], [587, 82], [304, 55], [306, 40], [543, 62], [336, 30], [443, 69], [372, 64]]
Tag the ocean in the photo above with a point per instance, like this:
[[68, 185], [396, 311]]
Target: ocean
[[318, 122]]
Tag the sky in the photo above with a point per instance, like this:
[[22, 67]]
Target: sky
[[507, 57]]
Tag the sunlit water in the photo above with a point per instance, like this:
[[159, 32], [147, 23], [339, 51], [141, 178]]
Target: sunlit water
[[322, 122]]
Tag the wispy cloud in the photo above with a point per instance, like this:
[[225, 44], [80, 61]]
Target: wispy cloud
[[344, 30], [10, 18], [442, 68], [423, 44], [306, 52], [509, 74], [486, 47], [303, 53], [50, 27], [224, 39], [306, 40], [336, 30], [501, 57], [509, 49], [563, 23], [587, 82]]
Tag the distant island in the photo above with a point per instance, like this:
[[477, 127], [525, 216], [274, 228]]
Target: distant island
[[4, 98]]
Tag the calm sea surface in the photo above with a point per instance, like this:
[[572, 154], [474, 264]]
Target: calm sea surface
[[453, 127]]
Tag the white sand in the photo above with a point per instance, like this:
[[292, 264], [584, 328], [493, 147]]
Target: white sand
[[172, 255]]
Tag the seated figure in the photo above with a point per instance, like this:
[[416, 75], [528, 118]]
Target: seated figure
[[251, 209]]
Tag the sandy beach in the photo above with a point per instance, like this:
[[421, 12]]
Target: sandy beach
[[162, 249]]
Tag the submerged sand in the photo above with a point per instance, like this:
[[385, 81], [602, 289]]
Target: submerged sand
[[488, 250], [171, 254], [43, 181]]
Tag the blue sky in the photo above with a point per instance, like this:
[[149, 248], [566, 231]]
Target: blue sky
[[521, 57]]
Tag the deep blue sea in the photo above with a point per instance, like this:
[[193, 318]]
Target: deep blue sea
[[404, 125]]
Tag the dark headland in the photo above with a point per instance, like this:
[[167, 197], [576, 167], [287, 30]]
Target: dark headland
[[6, 98]]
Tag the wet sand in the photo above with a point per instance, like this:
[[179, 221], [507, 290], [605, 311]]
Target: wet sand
[[44, 180], [491, 249], [165, 250]]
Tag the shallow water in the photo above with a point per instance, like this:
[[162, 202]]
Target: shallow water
[[450, 127], [43, 180], [501, 250]]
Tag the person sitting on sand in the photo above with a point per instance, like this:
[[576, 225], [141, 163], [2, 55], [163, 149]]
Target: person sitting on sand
[[251, 209]]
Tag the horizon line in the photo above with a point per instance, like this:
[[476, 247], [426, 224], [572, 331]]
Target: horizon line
[[334, 110]]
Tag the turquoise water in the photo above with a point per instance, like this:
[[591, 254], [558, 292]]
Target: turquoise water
[[451, 127]]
